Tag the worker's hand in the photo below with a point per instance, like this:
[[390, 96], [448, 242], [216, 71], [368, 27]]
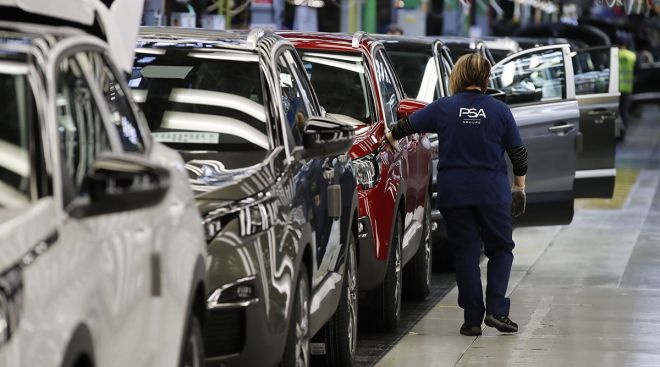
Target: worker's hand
[[518, 201], [389, 143]]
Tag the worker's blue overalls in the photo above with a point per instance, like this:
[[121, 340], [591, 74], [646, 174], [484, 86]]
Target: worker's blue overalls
[[474, 193]]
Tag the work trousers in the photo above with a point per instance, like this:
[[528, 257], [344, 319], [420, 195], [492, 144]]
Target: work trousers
[[467, 229]]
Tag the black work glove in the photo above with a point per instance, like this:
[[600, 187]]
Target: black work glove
[[518, 201]]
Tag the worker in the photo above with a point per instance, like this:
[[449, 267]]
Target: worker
[[475, 195], [627, 61]]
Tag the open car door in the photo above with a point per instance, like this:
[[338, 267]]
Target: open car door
[[119, 20], [597, 91], [539, 89]]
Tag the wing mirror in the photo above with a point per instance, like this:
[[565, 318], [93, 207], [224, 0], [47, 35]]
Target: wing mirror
[[497, 94], [116, 184], [324, 136], [407, 107]]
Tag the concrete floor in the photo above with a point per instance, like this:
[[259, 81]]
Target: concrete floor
[[587, 294]]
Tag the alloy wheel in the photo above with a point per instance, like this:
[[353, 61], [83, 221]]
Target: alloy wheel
[[192, 352], [352, 294], [398, 270], [427, 242], [302, 329]]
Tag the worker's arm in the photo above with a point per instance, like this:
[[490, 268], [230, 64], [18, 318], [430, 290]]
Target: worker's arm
[[421, 121]]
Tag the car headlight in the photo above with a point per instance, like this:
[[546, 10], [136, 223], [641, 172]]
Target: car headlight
[[367, 170], [211, 227], [433, 139], [11, 302], [256, 218]]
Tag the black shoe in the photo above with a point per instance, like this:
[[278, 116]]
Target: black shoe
[[502, 323], [471, 330]]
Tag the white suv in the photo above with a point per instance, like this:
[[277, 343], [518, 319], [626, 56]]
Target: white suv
[[101, 246]]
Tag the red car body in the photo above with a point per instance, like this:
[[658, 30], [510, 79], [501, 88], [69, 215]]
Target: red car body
[[404, 176]]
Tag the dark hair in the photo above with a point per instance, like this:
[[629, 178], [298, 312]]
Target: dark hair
[[470, 70]]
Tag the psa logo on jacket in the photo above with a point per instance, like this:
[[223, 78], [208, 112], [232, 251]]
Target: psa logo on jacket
[[471, 113]]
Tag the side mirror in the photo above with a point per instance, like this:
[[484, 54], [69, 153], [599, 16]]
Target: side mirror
[[407, 107], [116, 184], [497, 94], [325, 136]]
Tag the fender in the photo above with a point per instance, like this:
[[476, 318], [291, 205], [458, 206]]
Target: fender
[[351, 219], [399, 198], [80, 345]]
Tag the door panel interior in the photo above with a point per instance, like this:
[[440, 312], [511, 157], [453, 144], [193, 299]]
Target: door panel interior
[[538, 89], [597, 92]]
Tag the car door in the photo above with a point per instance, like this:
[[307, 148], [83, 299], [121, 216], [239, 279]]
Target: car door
[[390, 97], [120, 242], [597, 91], [540, 92]]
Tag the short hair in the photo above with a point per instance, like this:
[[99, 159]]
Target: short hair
[[470, 70]]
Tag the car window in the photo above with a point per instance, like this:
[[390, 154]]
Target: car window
[[386, 83], [341, 85], [81, 130], [302, 78], [537, 76], [15, 119], [592, 71], [210, 106], [121, 113], [293, 100], [418, 74]]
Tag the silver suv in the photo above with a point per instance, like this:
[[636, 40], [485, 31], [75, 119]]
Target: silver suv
[[102, 249]]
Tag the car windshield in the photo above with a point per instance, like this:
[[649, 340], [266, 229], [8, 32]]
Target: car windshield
[[418, 74], [208, 104], [341, 85], [14, 128], [458, 50]]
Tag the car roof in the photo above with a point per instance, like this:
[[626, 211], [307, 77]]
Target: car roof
[[407, 43], [330, 41], [33, 36], [216, 39]]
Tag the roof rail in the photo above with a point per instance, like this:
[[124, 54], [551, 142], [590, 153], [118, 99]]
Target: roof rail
[[254, 36], [357, 37]]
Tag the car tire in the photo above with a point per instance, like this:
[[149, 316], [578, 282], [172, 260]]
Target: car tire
[[388, 295], [341, 330], [193, 347], [297, 348], [417, 274]]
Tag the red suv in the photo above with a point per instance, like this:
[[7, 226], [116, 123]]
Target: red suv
[[356, 83]]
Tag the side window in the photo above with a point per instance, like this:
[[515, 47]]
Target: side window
[[532, 77], [15, 135], [80, 126], [388, 96], [293, 101], [121, 113], [303, 82], [592, 71]]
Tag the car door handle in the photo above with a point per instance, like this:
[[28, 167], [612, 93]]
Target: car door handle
[[561, 129]]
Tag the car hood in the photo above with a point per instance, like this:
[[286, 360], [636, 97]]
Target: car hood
[[120, 20], [367, 140], [216, 187], [21, 229]]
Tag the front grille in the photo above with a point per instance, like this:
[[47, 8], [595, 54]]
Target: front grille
[[225, 332]]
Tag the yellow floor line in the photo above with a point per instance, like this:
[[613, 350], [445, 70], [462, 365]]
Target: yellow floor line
[[625, 179]]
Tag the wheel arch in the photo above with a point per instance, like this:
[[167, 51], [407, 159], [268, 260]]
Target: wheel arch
[[80, 350]]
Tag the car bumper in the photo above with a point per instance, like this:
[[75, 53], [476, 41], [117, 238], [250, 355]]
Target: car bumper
[[371, 271], [246, 320]]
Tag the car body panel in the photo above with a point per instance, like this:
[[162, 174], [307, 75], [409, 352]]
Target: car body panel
[[288, 197], [121, 277], [597, 89]]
